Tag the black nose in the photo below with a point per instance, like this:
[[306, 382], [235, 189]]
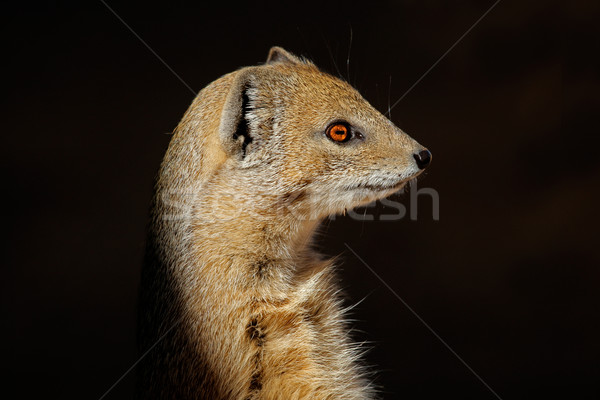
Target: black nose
[[423, 158]]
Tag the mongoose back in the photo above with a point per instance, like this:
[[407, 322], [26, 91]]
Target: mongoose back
[[234, 299]]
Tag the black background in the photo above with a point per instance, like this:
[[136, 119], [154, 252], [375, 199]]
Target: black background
[[508, 276]]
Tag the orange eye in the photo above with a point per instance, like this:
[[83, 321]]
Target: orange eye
[[338, 133]]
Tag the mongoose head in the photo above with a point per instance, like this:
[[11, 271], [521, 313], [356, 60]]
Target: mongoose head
[[312, 139]]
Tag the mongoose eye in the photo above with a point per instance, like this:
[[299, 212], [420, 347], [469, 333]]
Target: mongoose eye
[[339, 132]]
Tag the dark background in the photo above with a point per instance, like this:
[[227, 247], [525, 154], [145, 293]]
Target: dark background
[[508, 276]]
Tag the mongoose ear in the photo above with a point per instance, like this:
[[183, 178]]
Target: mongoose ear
[[277, 54], [234, 130]]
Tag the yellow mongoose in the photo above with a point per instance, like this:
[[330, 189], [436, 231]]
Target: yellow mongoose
[[235, 301]]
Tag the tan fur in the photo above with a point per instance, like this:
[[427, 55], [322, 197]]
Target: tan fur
[[229, 261]]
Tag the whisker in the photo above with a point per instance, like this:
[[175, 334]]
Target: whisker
[[332, 58], [348, 59]]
